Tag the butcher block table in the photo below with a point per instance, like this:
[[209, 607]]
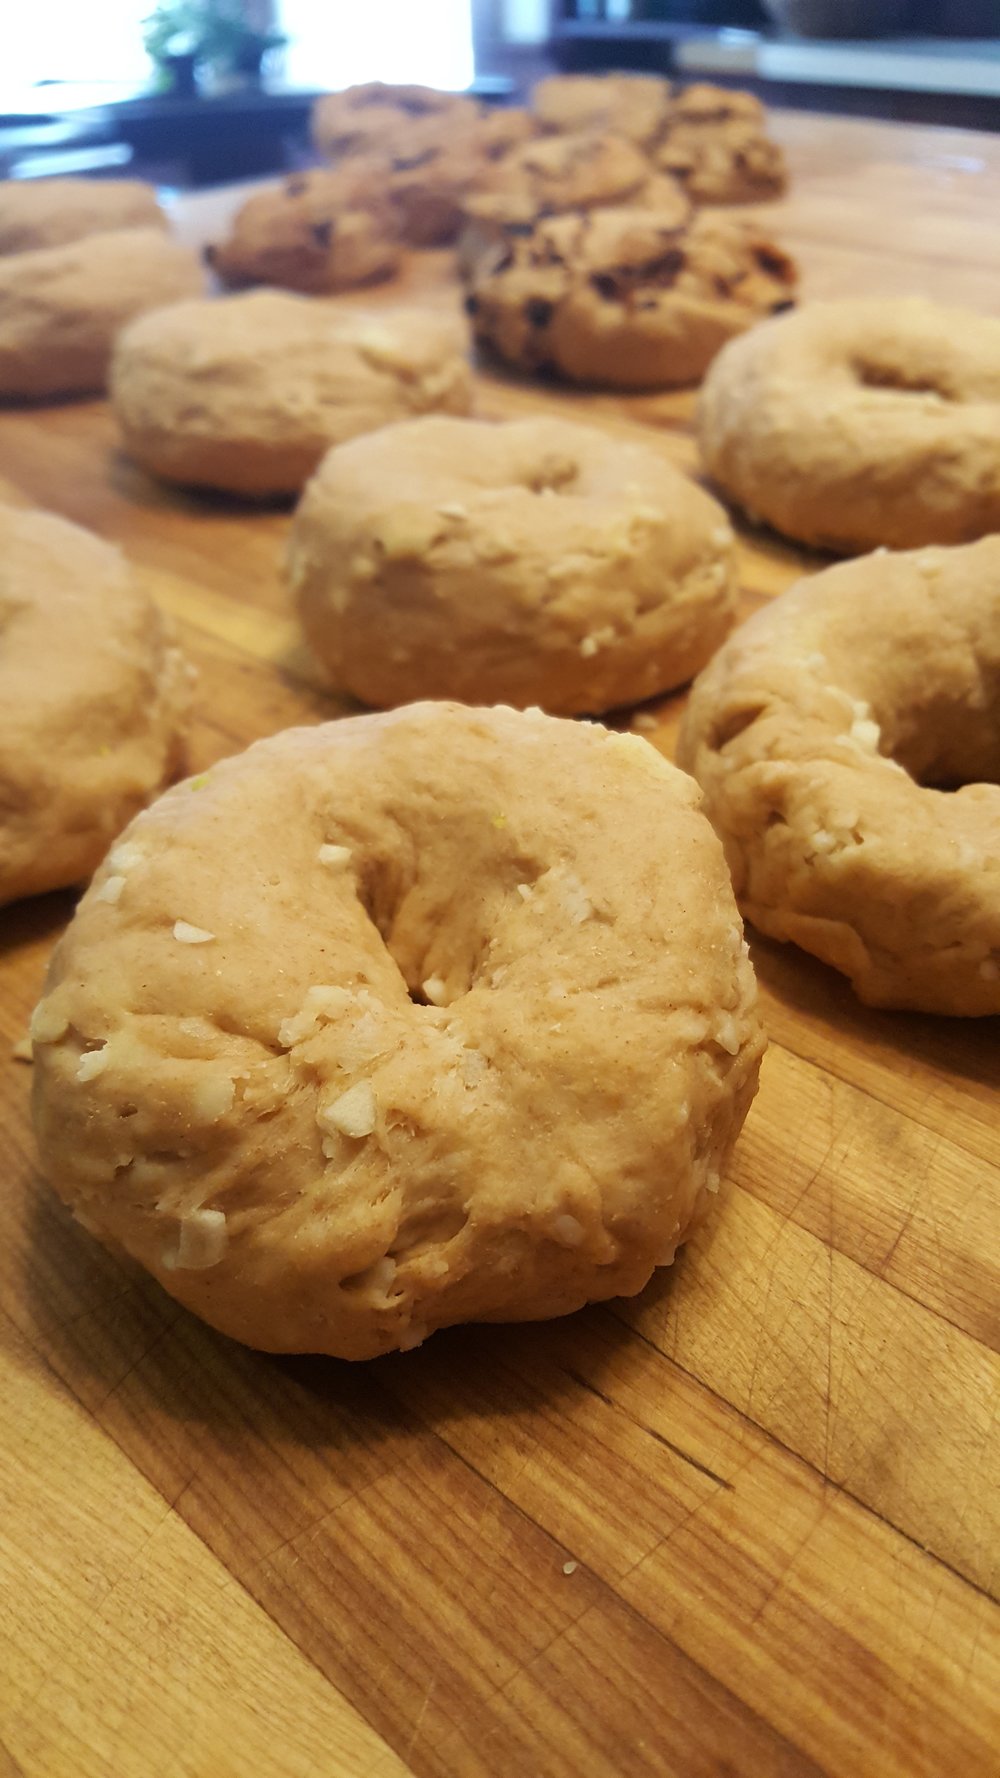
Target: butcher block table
[[747, 1523]]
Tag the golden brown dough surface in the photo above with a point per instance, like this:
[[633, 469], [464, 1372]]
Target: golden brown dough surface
[[36, 213], [829, 735], [531, 562], [93, 692], [401, 1021], [376, 116], [248, 393], [62, 308], [863, 422], [632, 105]]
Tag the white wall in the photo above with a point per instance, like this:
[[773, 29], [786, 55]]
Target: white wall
[[86, 40], [337, 42]]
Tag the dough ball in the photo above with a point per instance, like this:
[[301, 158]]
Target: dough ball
[[36, 213], [715, 143], [848, 742], [93, 696], [402, 1021], [626, 298], [248, 394], [62, 307], [531, 562], [863, 422], [316, 232], [631, 105]]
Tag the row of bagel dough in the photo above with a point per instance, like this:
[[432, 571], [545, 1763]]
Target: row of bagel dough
[[345, 1165], [823, 426], [850, 767], [888, 388], [845, 426]]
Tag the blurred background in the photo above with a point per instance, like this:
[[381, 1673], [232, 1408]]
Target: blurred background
[[194, 92]]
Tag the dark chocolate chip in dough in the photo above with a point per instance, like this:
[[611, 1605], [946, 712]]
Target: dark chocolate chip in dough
[[606, 285], [538, 312]]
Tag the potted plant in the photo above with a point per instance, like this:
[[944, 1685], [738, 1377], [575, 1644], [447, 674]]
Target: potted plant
[[180, 35], [232, 45], [171, 37]]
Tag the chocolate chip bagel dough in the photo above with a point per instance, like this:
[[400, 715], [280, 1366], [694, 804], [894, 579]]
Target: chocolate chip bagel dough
[[631, 105], [553, 174], [716, 143], [534, 561], [247, 394], [625, 298], [317, 232], [93, 696], [401, 1021], [847, 740]]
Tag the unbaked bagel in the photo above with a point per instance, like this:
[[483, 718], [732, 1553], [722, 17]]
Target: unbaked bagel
[[400, 1021], [848, 743], [62, 308], [38, 213], [857, 423], [93, 693], [247, 394], [531, 562]]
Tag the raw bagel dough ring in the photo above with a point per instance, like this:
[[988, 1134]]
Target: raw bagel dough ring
[[248, 393], [530, 562], [857, 423], [233, 1080], [93, 693], [37, 213], [817, 733], [625, 298], [62, 307]]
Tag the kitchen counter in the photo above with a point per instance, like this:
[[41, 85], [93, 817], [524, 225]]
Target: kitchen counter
[[748, 1522]]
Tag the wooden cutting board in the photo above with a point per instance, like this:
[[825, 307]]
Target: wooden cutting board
[[745, 1524]]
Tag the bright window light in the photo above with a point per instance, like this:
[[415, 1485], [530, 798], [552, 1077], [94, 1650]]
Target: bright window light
[[336, 44], [67, 40]]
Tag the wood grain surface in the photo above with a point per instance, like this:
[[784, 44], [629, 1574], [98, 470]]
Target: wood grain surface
[[745, 1524]]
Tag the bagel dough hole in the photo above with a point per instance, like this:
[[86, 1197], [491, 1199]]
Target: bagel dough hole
[[396, 911], [875, 374], [947, 742]]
